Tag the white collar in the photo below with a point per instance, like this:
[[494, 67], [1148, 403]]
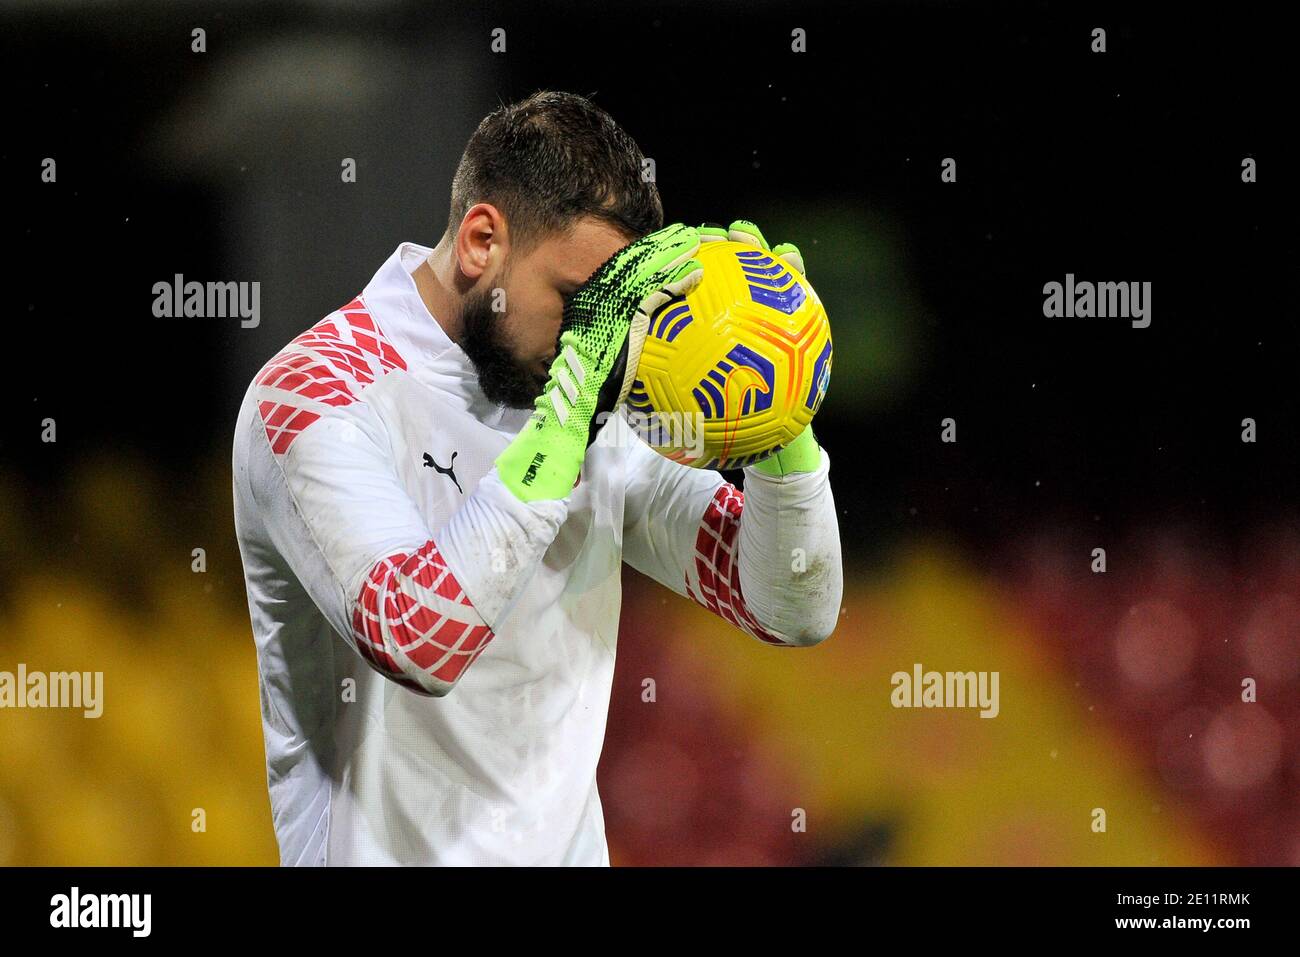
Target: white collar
[[431, 357]]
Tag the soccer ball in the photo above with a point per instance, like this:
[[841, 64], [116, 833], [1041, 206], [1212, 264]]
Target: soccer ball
[[732, 372]]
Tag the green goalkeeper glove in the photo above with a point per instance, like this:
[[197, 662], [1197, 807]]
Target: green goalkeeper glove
[[744, 231], [599, 348], [803, 454]]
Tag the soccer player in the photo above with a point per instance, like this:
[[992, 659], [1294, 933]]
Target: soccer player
[[419, 475]]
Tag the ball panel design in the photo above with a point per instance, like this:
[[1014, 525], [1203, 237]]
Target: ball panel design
[[734, 371]]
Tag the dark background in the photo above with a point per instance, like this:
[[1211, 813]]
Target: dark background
[[1116, 166]]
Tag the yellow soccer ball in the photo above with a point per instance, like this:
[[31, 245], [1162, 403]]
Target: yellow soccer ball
[[733, 372]]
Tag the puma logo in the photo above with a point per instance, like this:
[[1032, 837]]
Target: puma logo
[[449, 471]]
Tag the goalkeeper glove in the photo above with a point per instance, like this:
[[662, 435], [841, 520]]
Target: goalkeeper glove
[[744, 231], [599, 347]]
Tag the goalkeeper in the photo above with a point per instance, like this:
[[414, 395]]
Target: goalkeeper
[[418, 474]]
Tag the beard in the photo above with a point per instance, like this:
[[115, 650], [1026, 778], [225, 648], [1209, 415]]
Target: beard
[[503, 378]]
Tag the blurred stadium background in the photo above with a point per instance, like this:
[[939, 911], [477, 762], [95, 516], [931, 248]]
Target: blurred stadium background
[[1120, 691]]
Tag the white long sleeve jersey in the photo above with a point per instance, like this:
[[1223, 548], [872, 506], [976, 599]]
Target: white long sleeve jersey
[[435, 657]]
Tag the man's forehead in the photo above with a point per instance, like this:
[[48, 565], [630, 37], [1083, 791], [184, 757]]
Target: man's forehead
[[576, 252]]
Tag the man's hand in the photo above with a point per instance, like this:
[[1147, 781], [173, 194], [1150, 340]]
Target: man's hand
[[599, 347], [744, 231]]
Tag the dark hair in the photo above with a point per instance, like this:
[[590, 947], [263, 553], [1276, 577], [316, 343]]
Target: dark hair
[[549, 160]]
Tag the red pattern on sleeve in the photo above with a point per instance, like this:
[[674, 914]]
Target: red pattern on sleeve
[[325, 366], [716, 567], [416, 603]]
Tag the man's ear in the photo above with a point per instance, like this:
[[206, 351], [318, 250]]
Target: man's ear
[[481, 240]]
